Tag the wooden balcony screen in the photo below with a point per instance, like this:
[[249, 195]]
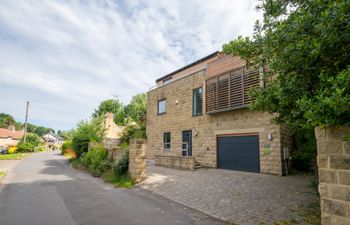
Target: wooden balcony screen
[[229, 91]]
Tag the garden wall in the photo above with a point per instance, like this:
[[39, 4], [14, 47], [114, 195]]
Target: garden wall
[[333, 161], [137, 159]]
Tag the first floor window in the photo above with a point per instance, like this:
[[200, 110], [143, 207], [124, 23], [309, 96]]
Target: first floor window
[[162, 106], [166, 140], [197, 102]]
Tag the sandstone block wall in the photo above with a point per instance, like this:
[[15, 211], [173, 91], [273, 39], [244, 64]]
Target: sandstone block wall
[[333, 159], [178, 162], [206, 128], [137, 159]]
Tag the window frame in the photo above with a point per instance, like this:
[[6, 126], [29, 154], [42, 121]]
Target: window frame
[[193, 96], [161, 113], [168, 144], [167, 80]]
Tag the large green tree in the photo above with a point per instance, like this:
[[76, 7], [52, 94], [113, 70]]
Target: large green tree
[[87, 131], [114, 106], [137, 107], [306, 46]]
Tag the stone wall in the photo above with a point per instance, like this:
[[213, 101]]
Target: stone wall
[[137, 159], [206, 128], [333, 161], [178, 162]]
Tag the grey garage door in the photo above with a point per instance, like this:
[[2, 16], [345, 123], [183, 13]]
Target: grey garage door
[[239, 153]]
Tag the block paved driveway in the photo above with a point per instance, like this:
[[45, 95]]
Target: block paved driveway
[[237, 197]]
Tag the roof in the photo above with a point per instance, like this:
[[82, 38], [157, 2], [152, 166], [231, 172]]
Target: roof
[[6, 133], [189, 65], [56, 136]]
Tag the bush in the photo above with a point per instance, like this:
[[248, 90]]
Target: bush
[[66, 145], [40, 148], [87, 131], [96, 160], [132, 131], [305, 155], [12, 149], [33, 139], [121, 167], [25, 147]]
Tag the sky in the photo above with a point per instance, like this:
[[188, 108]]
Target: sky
[[65, 57]]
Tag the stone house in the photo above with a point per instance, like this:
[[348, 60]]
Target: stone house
[[9, 137], [198, 116]]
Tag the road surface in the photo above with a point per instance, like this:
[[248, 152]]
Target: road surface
[[44, 190]]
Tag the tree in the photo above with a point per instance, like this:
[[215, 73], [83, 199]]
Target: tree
[[87, 131], [306, 46], [6, 120], [67, 134], [137, 107], [114, 106]]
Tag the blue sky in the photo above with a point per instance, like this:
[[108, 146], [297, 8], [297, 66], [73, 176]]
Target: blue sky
[[67, 56]]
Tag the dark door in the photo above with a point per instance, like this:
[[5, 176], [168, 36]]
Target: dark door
[[187, 143], [239, 153]]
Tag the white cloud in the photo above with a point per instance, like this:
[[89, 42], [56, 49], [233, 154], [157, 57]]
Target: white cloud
[[67, 56]]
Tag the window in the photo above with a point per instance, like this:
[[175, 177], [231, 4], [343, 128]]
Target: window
[[166, 140], [162, 106], [197, 102], [167, 81]]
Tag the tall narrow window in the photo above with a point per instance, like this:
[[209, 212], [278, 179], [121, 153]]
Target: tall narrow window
[[197, 102], [166, 140], [162, 106]]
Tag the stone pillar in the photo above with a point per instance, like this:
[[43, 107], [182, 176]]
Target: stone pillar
[[137, 159], [333, 159]]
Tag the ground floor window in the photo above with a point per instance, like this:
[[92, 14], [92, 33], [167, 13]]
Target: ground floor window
[[166, 140]]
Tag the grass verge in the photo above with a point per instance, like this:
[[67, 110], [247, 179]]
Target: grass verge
[[108, 176], [14, 156], [310, 215], [123, 181]]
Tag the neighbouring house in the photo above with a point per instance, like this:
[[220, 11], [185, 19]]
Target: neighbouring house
[[111, 139], [198, 116], [10, 137], [113, 132], [52, 141]]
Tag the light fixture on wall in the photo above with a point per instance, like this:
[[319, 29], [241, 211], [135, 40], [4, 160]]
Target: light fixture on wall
[[269, 137], [176, 101]]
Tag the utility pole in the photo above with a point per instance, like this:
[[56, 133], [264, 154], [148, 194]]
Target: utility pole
[[26, 123]]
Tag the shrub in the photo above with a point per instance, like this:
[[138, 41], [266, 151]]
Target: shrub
[[25, 147], [306, 149], [33, 139], [132, 131], [87, 131], [96, 161], [40, 148], [66, 145], [12, 149], [121, 166]]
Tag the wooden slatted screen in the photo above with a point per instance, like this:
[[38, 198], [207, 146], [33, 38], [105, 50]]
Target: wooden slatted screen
[[230, 90]]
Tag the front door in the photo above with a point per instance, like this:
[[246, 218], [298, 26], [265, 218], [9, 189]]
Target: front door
[[187, 143]]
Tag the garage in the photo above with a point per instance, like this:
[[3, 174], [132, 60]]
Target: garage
[[239, 153]]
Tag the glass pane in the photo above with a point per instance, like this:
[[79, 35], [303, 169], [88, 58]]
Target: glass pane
[[162, 106], [197, 102]]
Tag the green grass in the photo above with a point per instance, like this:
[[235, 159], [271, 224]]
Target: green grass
[[13, 156], [309, 215], [124, 181]]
